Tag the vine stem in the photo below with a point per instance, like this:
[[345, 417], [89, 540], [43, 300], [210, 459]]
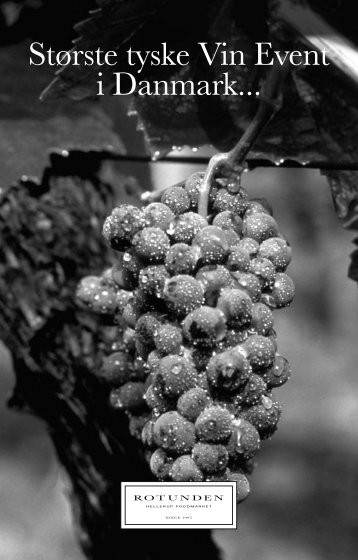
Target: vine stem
[[231, 164]]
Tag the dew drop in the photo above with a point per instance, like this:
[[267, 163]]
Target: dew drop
[[267, 402], [156, 155]]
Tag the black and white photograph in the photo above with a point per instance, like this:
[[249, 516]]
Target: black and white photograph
[[178, 280]]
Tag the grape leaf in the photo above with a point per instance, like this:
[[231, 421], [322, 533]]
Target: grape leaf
[[169, 120], [30, 129]]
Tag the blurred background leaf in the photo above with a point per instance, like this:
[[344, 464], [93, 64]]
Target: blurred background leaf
[[299, 131], [30, 129]]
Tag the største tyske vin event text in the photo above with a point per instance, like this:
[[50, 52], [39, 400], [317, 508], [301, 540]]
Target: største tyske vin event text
[[126, 83]]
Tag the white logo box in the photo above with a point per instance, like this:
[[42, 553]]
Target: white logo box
[[180, 505]]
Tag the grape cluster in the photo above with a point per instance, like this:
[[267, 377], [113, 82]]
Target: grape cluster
[[196, 360]]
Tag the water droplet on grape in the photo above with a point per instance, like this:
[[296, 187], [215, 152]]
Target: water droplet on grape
[[267, 402]]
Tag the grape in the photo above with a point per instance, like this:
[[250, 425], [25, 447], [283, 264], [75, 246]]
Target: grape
[[213, 245], [136, 425], [264, 416], [236, 306], [260, 227], [129, 396], [242, 485], [282, 292], [261, 319], [233, 185], [152, 280], [236, 203], [174, 433], [175, 375], [101, 299], [279, 373], [231, 237], [183, 294], [122, 298], [116, 368], [105, 301], [146, 327], [214, 278], [263, 203], [249, 283], [88, 288], [214, 425], [168, 339], [204, 326], [210, 458], [228, 371], [260, 352], [264, 270], [156, 401], [238, 260], [151, 244], [177, 199], [158, 215], [251, 246], [161, 464], [120, 227], [226, 400], [235, 337], [253, 391], [182, 259], [192, 403], [228, 221], [277, 251], [244, 441], [192, 186], [258, 206], [185, 470], [184, 228]]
